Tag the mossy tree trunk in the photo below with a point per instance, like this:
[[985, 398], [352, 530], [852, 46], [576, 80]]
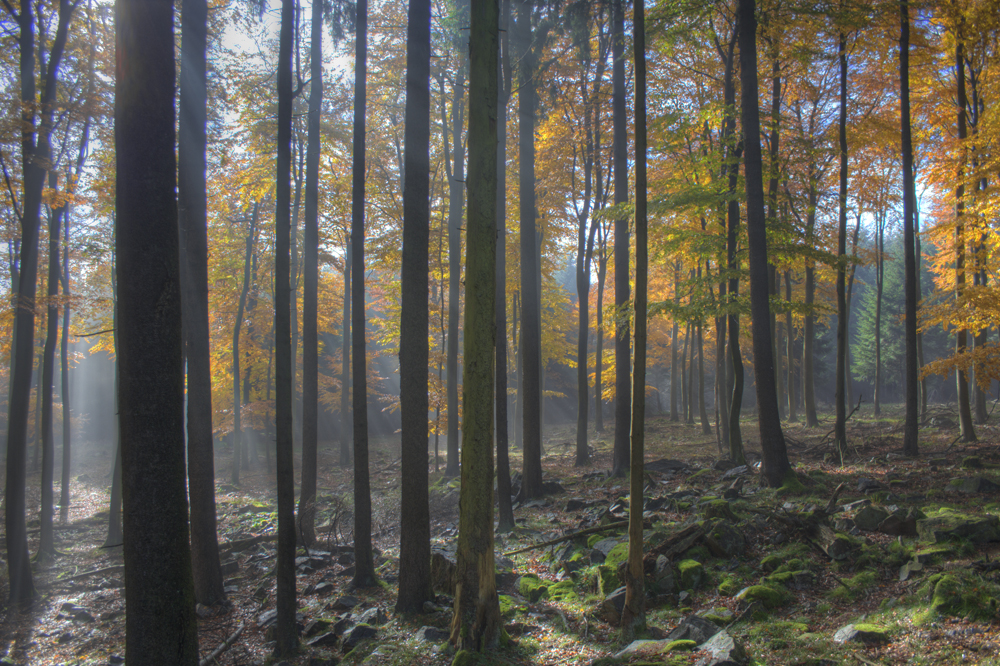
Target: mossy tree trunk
[[476, 624]]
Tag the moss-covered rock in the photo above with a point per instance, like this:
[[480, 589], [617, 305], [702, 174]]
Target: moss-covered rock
[[768, 596], [533, 588], [607, 579], [564, 590], [720, 509], [689, 574], [959, 594], [617, 555], [771, 563], [680, 646], [728, 587], [947, 525], [507, 606], [791, 485], [868, 634]]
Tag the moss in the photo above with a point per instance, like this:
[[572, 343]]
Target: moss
[[785, 578], [855, 585], [617, 555], [771, 563], [593, 539], [690, 573], [769, 596], [680, 646], [466, 658], [607, 579], [699, 553], [564, 591], [870, 628], [533, 588], [697, 475], [791, 485], [728, 587], [508, 606]]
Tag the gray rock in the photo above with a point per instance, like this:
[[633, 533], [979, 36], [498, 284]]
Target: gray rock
[[740, 470], [663, 576], [893, 525], [610, 610], [373, 616], [431, 635], [328, 639], [665, 465], [362, 632], [868, 635], [729, 538], [693, 628], [869, 518], [345, 602], [723, 650], [972, 485], [323, 588], [640, 647], [600, 551], [869, 485], [856, 506], [945, 527]]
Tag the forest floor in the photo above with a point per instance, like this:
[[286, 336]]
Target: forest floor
[[757, 567]]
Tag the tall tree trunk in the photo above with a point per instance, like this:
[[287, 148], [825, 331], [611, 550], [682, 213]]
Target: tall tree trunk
[[298, 168], [46, 543], [345, 367], [476, 624], [879, 287], [706, 428], [284, 370], [193, 224], [455, 204], [530, 393], [911, 425], [775, 465], [504, 505], [237, 329], [114, 538], [809, 334], [518, 346], [310, 290], [602, 273], [774, 168], [790, 352], [364, 561], [961, 341], [685, 393], [623, 397], [414, 351], [840, 426], [35, 152], [158, 578], [673, 348], [634, 610], [64, 387], [850, 299], [920, 335]]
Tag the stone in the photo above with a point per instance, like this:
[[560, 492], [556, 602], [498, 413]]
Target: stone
[[729, 538], [355, 636], [909, 568], [663, 576], [230, 567], [723, 650], [345, 602], [740, 470], [869, 518], [320, 661], [376, 617], [894, 525], [869, 485], [690, 573], [948, 526], [764, 594], [602, 549], [115, 659], [639, 647], [665, 465], [723, 465], [315, 626], [328, 639], [431, 635], [693, 628], [610, 610], [575, 504], [972, 485], [720, 509], [533, 588], [856, 506], [861, 633]]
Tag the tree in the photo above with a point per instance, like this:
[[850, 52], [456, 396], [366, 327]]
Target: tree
[[634, 612], [776, 467], [310, 290], [35, 154], [476, 621], [910, 427], [284, 376], [623, 360], [840, 427], [961, 339], [237, 329], [414, 535], [192, 214], [158, 578], [364, 563]]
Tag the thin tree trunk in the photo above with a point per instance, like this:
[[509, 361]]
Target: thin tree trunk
[[237, 329], [840, 426], [961, 342], [910, 428], [790, 352], [706, 429], [602, 273], [623, 380], [345, 368], [310, 291]]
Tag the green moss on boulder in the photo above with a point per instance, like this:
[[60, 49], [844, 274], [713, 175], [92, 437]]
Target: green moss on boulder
[[769, 597], [689, 574]]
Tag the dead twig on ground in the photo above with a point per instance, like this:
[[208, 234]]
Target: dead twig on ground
[[210, 659]]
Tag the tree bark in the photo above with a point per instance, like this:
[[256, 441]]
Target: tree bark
[[476, 624], [310, 289], [634, 611], [415, 529], [910, 427], [840, 426], [790, 352], [284, 370], [158, 578], [623, 380], [968, 432], [808, 334], [364, 562], [345, 367], [237, 329], [775, 465]]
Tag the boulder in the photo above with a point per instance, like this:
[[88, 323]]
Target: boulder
[[373, 616], [720, 509], [948, 526], [869, 485], [739, 470], [355, 636], [723, 650], [768, 596], [610, 610], [663, 576], [602, 549], [729, 538], [868, 518], [972, 485], [861, 633], [693, 628], [431, 635]]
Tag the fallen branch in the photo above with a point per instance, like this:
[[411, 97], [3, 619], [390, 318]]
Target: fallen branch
[[115, 569], [568, 537], [678, 543], [846, 419], [832, 504], [225, 646], [243, 544]]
